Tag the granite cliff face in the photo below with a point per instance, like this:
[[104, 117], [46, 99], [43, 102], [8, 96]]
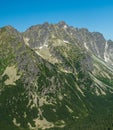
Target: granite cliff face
[[53, 76]]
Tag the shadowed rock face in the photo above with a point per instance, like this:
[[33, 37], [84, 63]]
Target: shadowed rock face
[[54, 75]]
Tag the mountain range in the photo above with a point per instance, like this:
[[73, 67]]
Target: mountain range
[[55, 76]]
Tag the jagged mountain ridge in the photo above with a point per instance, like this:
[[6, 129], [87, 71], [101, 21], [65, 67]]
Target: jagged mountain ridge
[[94, 42], [53, 75]]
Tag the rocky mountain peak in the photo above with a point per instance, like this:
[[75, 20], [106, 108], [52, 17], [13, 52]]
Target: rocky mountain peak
[[62, 24], [40, 35]]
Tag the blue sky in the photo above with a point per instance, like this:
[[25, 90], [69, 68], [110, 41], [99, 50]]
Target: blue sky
[[96, 15]]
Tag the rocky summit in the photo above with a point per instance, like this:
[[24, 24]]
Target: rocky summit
[[55, 77]]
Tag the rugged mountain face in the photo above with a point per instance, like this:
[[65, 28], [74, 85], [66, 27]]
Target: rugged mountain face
[[40, 35], [54, 76]]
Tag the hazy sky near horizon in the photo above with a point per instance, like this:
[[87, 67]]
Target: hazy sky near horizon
[[95, 15]]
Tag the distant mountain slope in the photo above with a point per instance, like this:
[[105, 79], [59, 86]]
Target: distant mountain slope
[[54, 76]]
